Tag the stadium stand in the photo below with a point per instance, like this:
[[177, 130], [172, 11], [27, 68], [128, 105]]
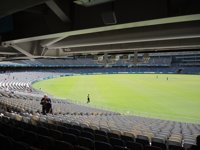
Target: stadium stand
[[90, 128], [155, 59], [174, 62], [15, 82], [75, 126], [54, 132], [43, 39]]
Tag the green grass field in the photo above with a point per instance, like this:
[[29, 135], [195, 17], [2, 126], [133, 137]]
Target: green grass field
[[141, 94]]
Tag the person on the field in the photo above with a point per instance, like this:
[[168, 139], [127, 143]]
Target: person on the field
[[88, 98], [46, 105]]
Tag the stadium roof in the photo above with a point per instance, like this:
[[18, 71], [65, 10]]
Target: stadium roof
[[175, 33], [59, 28]]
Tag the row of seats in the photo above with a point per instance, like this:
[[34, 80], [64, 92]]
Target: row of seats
[[92, 62], [74, 135], [180, 134], [21, 81], [31, 104], [146, 131], [38, 138]]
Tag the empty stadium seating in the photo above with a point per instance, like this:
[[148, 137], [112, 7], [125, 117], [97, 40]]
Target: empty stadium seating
[[75, 126], [21, 135]]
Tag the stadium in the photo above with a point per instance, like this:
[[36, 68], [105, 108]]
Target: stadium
[[99, 75]]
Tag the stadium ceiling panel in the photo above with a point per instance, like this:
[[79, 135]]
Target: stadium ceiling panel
[[172, 34], [57, 10], [10, 6], [88, 3]]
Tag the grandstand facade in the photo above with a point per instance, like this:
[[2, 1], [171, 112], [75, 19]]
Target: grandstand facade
[[171, 62]]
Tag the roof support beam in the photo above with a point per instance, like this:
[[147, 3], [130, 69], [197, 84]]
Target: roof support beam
[[8, 53], [170, 44], [22, 51], [135, 57], [44, 51], [11, 6], [152, 33], [164, 48], [162, 21], [56, 9], [49, 42]]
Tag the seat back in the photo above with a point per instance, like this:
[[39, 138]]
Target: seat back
[[116, 142], [175, 147], [100, 132], [161, 145], [55, 134], [61, 145], [134, 146], [142, 141], [86, 142], [102, 146], [88, 130], [119, 148], [101, 138], [71, 138], [113, 135], [87, 135], [6, 142], [74, 131], [80, 148], [127, 138], [152, 148], [45, 142]]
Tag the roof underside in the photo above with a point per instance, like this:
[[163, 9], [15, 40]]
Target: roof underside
[[171, 34]]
